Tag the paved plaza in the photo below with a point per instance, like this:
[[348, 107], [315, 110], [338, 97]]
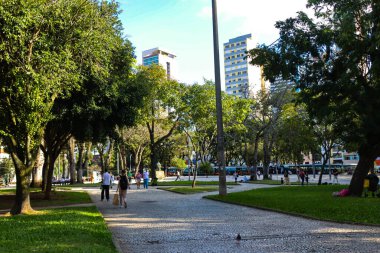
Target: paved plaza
[[161, 221]]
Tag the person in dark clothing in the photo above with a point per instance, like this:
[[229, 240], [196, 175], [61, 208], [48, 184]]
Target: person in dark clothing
[[122, 188]]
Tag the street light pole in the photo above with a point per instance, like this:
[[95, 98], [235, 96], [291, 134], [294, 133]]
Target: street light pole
[[219, 110], [130, 162]]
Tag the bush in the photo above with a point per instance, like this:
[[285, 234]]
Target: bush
[[205, 168], [179, 163]]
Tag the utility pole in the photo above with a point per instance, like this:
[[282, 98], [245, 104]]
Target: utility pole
[[219, 110]]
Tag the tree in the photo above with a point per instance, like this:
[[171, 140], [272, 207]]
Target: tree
[[92, 112], [235, 113], [44, 48], [295, 136], [179, 163], [335, 61], [135, 139], [161, 107]]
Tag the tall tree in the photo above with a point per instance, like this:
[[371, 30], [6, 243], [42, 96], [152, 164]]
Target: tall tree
[[136, 139], [161, 107], [335, 61], [44, 48]]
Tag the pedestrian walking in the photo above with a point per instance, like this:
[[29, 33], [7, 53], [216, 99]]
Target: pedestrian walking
[[336, 173], [122, 188], [307, 177], [146, 179], [235, 176], [138, 180], [286, 177], [106, 181], [178, 176], [112, 180], [302, 176]]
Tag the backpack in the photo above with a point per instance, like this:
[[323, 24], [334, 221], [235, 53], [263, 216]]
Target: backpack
[[123, 182]]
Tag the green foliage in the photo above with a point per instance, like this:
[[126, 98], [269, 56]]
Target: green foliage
[[58, 198], [295, 137], [310, 201], [57, 230], [6, 166], [335, 62], [206, 168], [199, 117], [179, 163]]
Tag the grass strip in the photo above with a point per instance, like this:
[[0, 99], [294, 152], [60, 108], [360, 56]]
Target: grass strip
[[189, 190], [275, 182], [77, 229], [312, 201], [58, 198], [88, 185], [189, 183]]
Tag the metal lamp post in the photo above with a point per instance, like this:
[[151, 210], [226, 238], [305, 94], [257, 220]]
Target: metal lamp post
[[219, 111], [130, 162]]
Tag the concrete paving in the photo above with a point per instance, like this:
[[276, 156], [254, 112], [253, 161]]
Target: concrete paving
[[161, 221]]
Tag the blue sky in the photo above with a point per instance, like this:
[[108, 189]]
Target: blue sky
[[184, 27]]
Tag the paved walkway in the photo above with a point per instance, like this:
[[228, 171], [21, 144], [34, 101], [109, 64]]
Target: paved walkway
[[161, 221]]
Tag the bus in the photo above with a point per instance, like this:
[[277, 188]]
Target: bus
[[309, 168]]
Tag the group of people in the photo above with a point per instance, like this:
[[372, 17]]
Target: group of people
[[302, 176], [124, 183]]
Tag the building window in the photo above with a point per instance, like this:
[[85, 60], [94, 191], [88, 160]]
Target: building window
[[168, 69]]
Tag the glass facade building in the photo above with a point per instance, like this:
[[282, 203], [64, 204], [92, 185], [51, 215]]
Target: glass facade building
[[161, 57]]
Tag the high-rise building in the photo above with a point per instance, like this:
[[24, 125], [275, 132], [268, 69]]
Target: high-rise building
[[281, 85], [163, 58], [242, 79]]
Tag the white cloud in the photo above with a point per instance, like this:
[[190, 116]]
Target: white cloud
[[255, 16]]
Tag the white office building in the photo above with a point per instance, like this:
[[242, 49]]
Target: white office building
[[164, 58], [242, 79]]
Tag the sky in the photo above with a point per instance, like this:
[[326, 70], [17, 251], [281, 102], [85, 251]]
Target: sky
[[184, 28]]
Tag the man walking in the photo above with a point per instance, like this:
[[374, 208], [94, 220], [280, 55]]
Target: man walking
[[106, 181], [178, 176]]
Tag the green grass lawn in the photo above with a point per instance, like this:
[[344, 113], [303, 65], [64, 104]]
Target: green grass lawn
[[89, 185], [275, 182], [189, 183], [58, 198], [189, 190], [310, 201], [79, 229]]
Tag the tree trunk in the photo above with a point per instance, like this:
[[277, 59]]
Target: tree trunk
[[49, 176], [87, 157], [321, 173], [153, 165], [266, 156], [195, 174], [45, 170], [64, 168], [81, 147], [37, 172], [256, 150], [22, 198], [71, 158], [366, 161], [109, 154]]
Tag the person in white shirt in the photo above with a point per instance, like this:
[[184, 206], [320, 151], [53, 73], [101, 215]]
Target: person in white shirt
[[106, 185]]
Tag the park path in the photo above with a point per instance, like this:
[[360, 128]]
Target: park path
[[161, 221]]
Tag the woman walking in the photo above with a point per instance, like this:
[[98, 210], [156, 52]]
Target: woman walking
[[122, 188]]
